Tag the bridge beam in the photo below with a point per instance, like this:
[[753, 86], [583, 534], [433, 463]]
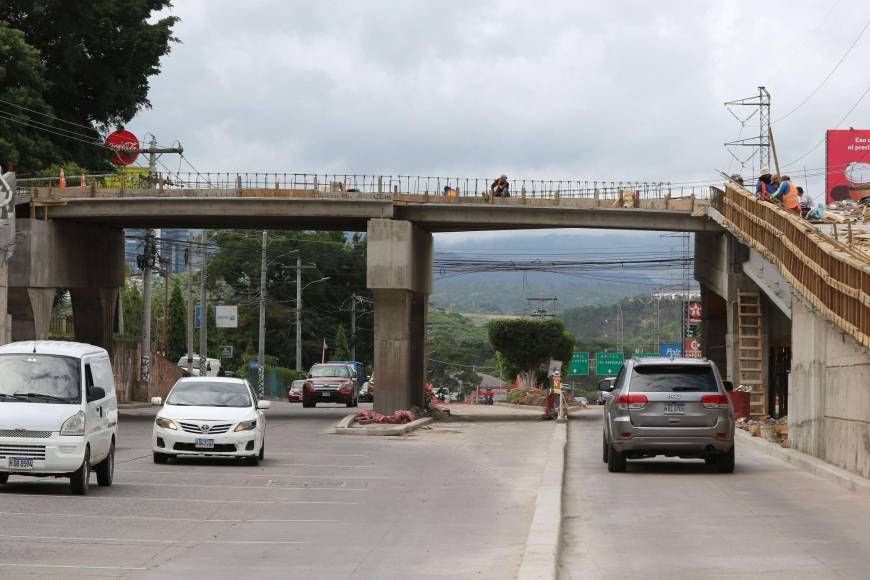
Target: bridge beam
[[399, 273]]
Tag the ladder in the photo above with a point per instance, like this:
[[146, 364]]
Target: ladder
[[750, 353]]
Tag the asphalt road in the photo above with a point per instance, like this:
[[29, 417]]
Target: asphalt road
[[670, 518], [454, 501]]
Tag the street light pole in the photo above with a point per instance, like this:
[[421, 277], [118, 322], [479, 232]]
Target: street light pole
[[203, 306], [189, 257], [353, 327], [261, 371], [298, 314]]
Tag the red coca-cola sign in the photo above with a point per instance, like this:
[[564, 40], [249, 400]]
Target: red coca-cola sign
[[126, 147]]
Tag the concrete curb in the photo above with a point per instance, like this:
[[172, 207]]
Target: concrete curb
[[344, 427], [814, 465], [532, 407], [541, 556]]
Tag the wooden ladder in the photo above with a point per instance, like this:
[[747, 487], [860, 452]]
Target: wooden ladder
[[750, 351]]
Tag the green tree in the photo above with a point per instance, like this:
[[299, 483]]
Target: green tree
[[96, 60], [22, 83], [526, 344], [341, 350], [177, 324], [131, 300]]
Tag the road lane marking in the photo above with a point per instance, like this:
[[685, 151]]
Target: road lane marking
[[271, 464], [241, 486], [276, 453], [125, 568], [237, 474], [109, 497], [135, 541], [159, 519]]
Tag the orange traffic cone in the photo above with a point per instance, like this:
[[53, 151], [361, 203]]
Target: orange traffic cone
[[84, 183], [62, 179]]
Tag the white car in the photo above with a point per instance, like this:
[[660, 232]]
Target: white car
[[58, 412], [210, 417], [212, 369]]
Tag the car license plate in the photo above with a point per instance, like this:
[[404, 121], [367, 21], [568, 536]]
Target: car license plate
[[20, 463], [326, 393], [205, 443], [675, 408]]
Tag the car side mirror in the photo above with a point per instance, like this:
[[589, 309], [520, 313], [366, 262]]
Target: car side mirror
[[96, 393], [156, 401], [729, 386], [606, 385], [264, 404]]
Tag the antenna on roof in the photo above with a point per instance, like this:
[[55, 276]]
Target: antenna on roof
[[34, 347]]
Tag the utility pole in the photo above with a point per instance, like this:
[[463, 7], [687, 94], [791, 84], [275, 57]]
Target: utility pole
[[353, 327], [166, 272], [203, 306], [146, 263], [261, 371], [298, 314], [540, 311], [188, 257]]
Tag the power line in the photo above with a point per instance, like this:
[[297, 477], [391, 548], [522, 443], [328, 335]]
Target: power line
[[48, 115]]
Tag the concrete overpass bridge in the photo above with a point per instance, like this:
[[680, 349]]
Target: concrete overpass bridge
[[766, 276]]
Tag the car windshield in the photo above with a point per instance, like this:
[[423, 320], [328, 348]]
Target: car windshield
[[40, 378], [297, 385], [329, 371], [673, 378], [201, 394]]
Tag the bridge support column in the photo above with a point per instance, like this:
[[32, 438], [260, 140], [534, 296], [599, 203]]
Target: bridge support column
[[399, 273], [88, 260]]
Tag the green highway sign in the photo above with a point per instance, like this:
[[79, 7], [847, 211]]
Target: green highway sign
[[579, 364], [608, 363], [645, 355]]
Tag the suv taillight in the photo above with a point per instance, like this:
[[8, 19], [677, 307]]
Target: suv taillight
[[632, 402], [714, 401]]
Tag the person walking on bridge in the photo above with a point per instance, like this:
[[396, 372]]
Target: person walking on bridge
[[500, 187], [765, 187], [788, 194]]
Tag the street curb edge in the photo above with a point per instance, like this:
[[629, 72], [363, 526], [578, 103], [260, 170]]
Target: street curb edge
[[343, 428]]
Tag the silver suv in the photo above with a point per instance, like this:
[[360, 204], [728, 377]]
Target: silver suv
[[677, 407]]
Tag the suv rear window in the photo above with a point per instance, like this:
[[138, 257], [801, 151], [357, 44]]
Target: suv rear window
[[673, 378]]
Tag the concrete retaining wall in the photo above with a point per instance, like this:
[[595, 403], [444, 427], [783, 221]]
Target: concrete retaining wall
[[829, 392], [126, 360]]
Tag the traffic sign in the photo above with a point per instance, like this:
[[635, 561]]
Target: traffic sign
[[579, 364], [645, 355], [608, 363], [226, 351]]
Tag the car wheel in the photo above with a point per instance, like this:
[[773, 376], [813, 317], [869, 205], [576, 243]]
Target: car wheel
[[252, 460], [604, 448], [263, 449], [4, 477], [308, 404], [710, 460], [356, 402], [160, 458], [349, 402], [615, 460], [106, 468], [725, 462], [81, 478]]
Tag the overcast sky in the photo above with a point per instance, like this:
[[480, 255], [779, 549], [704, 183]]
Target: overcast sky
[[582, 90]]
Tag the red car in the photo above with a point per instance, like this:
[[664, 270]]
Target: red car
[[331, 383], [294, 391]]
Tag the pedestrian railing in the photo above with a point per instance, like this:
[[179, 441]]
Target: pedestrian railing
[[829, 274], [267, 184]]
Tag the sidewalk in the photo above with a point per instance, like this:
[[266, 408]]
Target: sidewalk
[[490, 413]]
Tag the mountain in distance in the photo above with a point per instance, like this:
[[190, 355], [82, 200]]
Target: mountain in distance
[[507, 293]]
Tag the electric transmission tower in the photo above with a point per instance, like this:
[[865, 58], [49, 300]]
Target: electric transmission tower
[[760, 144]]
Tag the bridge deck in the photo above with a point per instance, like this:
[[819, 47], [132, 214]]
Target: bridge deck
[[346, 210]]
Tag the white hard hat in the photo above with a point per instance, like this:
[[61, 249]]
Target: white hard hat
[[765, 171], [555, 373]]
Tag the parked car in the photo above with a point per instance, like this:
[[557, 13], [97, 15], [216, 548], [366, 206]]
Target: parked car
[[331, 383], [212, 366], [583, 401], [58, 412], [210, 417], [673, 407], [294, 391], [364, 394]]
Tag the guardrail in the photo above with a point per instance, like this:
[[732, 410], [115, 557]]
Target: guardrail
[[831, 276], [405, 184]]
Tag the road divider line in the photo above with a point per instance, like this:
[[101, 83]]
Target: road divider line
[[237, 474], [241, 487], [149, 451], [159, 519], [137, 541], [71, 566], [541, 555], [189, 500]]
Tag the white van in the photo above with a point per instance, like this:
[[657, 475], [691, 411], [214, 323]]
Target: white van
[[58, 412]]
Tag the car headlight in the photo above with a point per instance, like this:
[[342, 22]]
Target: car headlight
[[165, 423], [246, 425], [75, 425]]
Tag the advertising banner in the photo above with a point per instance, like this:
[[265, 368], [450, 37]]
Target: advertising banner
[[692, 348], [226, 316], [848, 164], [671, 349]]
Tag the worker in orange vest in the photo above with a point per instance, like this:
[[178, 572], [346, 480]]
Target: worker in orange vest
[[788, 194]]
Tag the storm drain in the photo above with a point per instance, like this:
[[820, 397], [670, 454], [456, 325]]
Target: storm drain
[[314, 484]]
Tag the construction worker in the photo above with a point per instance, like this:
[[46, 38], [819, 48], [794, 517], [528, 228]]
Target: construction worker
[[787, 193], [500, 187], [550, 405], [765, 187]]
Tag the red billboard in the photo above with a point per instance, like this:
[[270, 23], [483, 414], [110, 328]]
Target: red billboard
[[848, 164]]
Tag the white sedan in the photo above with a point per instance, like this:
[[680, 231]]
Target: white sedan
[[210, 417]]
